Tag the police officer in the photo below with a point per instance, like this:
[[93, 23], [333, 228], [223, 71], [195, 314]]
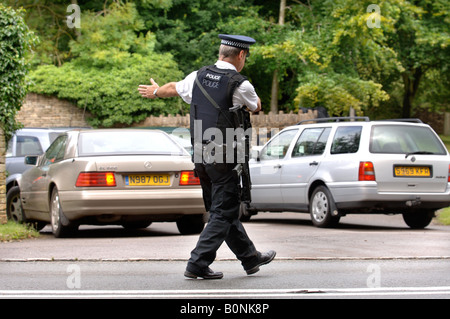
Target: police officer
[[212, 91]]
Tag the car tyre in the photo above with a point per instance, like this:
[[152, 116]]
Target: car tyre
[[136, 225], [14, 210], [320, 208], [191, 224], [61, 226], [418, 219]]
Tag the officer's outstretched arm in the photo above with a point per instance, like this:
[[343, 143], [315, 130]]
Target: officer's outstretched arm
[[154, 91]]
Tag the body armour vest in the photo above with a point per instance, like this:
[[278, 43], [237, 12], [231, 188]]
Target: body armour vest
[[204, 116]]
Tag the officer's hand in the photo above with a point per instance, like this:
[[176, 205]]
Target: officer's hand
[[147, 90], [259, 106]]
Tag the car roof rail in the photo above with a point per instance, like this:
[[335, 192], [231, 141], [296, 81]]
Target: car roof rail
[[336, 119], [411, 120]]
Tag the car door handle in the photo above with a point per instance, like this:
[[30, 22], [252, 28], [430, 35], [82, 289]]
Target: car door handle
[[313, 163], [277, 166]]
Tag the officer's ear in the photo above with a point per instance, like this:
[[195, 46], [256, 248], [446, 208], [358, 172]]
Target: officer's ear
[[243, 54]]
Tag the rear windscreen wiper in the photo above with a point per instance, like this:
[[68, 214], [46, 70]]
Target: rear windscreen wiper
[[419, 153]]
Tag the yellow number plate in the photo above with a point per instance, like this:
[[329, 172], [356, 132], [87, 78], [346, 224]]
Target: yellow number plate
[[412, 171], [148, 180]]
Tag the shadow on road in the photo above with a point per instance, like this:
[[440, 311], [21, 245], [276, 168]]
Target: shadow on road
[[352, 223], [115, 232], [356, 223]]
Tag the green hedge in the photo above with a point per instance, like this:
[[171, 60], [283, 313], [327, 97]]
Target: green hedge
[[15, 42]]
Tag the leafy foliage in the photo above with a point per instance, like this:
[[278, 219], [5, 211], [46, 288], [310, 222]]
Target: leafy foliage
[[325, 54], [15, 41], [110, 61], [339, 93]]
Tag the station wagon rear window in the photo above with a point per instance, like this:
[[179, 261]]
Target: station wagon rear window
[[127, 143], [405, 139]]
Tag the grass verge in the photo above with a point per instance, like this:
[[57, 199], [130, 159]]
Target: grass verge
[[443, 216], [13, 231]]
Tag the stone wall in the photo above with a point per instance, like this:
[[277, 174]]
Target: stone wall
[[264, 125], [47, 111], [270, 121], [2, 178]]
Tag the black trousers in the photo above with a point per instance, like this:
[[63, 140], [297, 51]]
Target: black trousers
[[221, 198]]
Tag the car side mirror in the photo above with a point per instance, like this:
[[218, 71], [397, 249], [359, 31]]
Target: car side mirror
[[31, 160], [255, 154]]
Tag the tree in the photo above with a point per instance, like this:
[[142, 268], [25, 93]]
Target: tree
[[318, 63], [47, 19], [110, 59], [420, 37], [274, 92], [311, 53], [411, 40], [349, 62], [188, 29], [15, 44]]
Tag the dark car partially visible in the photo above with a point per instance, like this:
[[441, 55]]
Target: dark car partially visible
[[24, 142]]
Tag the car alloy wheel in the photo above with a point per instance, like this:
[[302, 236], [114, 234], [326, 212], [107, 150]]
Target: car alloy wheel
[[61, 226], [320, 208], [54, 211], [14, 205]]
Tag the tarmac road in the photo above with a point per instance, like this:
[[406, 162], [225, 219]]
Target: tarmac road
[[365, 257], [291, 235], [417, 278]]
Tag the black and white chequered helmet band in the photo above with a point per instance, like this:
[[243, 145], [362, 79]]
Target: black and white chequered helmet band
[[238, 41]]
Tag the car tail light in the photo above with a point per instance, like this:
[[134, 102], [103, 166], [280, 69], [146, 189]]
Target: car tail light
[[96, 179], [366, 171], [448, 180], [187, 178]]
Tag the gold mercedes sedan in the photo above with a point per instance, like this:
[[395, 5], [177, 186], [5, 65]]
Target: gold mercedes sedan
[[129, 177]]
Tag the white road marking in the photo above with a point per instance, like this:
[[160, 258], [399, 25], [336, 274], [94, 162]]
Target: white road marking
[[147, 259], [227, 293]]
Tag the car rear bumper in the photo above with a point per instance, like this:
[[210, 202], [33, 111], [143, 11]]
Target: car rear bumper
[[85, 203], [366, 195]]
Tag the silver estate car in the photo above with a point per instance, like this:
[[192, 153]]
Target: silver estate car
[[129, 177], [336, 167]]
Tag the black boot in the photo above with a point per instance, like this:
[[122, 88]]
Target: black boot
[[263, 259], [207, 273]]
